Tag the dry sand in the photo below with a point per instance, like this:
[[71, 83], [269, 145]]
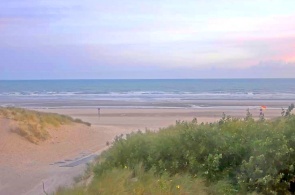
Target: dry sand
[[24, 166]]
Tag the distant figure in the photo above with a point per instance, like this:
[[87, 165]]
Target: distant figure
[[98, 109], [261, 113]]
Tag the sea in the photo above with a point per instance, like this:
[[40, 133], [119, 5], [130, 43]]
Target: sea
[[140, 93]]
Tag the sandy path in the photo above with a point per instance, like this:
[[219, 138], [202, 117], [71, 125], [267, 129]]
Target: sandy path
[[23, 166]]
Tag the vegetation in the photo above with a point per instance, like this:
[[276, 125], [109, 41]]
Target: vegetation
[[127, 181], [33, 125], [231, 156], [288, 111]]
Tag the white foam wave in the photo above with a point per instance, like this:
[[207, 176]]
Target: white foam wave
[[149, 95]]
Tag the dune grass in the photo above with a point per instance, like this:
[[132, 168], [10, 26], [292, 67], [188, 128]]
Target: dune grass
[[33, 125], [231, 156], [138, 182]]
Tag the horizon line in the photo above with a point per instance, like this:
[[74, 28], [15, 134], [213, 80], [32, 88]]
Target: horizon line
[[144, 79]]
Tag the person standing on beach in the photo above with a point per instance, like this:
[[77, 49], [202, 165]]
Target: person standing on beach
[[261, 114], [98, 110]]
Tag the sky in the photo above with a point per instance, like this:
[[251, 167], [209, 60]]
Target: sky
[[131, 39]]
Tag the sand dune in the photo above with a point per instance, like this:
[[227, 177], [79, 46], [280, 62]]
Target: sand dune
[[23, 165]]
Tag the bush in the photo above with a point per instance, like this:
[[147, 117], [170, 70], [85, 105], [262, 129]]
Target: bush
[[232, 155]]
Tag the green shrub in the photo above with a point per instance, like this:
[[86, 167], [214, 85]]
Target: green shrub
[[232, 155]]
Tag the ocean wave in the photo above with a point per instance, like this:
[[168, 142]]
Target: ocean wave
[[141, 95]]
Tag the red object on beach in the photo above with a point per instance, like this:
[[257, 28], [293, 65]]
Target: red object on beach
[[263, 107]]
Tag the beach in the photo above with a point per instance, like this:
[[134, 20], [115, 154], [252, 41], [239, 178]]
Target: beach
[[153, 119], [114, 110]]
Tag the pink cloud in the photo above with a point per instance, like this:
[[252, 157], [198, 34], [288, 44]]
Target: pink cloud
[[267, 49], [5, 21]]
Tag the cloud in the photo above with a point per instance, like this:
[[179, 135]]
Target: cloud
[[69, 61], [196, 38]]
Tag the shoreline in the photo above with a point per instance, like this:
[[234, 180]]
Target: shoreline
[[144, 104]]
